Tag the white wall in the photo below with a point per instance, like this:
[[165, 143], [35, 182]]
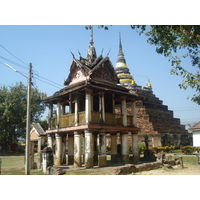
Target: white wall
[[196, 139]]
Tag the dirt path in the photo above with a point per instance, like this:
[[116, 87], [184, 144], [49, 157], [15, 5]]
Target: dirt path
[[176, 170]]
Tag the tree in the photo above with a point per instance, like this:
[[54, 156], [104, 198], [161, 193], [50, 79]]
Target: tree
[[171, 41], [13, 112]]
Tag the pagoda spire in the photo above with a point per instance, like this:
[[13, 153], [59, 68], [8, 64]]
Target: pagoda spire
[[91, 52], [121, 54], [122, 71]]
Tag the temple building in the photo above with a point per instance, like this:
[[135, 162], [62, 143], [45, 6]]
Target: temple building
[[91, 105], [100, 102]]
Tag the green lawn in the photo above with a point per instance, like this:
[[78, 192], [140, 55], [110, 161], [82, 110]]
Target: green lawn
[[14, 165]]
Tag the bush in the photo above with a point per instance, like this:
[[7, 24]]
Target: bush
[[141, 147], [167, 149], [188, 149]]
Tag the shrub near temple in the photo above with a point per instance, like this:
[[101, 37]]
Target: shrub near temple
[[167, 149], [190, 149]]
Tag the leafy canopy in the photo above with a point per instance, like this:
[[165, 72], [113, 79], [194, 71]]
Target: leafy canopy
[[13, 101]]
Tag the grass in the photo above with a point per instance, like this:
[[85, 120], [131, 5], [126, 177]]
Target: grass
[[14, 165]]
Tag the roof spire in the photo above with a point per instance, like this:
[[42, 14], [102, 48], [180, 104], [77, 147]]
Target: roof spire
[[91, 52], [121, 54], [122, 71], [91, 36], [120, 45]]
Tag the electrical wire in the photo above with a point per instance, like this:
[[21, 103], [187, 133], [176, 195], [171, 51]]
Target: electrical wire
[[14, 63], [40, 77], [47, 83], [13, 55]]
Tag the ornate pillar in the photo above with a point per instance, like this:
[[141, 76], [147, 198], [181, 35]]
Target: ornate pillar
[[58, 114], [88, 149], [125, 150], [102, 149], [95, 149], [63, 109], [83, 148], [124, 111], [135, 148], [49, 141], [77, 149], [63, 160], [102, 107], [70, 104], [58, 153], [76, 110], [50, 115], [88, 106], [70, 149], [114, 157]]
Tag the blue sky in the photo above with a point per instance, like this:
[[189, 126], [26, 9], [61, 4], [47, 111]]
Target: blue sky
[[48, 49]]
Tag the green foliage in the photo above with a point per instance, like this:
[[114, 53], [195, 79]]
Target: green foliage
[[167, 149], [13, 102], [141, 147], [169, 40], [190, 149]]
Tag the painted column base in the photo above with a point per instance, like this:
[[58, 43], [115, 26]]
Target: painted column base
[[89, 163], [125, 159], [57, 161], [70, 160], [77, 162], [114, 158], [102, 161]]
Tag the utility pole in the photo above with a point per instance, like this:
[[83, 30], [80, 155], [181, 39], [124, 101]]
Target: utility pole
[[28, 119]]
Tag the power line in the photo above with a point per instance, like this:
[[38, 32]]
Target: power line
[[13, 55], [17, 64], [47, 83], [45, 80]]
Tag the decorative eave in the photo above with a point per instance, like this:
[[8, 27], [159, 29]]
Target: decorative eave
[[94, 83]]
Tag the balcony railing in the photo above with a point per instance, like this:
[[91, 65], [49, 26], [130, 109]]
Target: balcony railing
[[110, 119]]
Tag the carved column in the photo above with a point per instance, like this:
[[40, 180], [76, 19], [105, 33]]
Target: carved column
[[58, 114], [95, 148], [76, 109], [125, 150], [135, 148], [49, 141], [102, 107], [114, 157], [124, 111], [102, 149], [88, 106], [70, 149], [58, 153], [88, 149], [77, 149], [50, 115], [63, 109]]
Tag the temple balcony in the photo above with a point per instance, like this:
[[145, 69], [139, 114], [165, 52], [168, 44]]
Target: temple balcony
[[69, 120]]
